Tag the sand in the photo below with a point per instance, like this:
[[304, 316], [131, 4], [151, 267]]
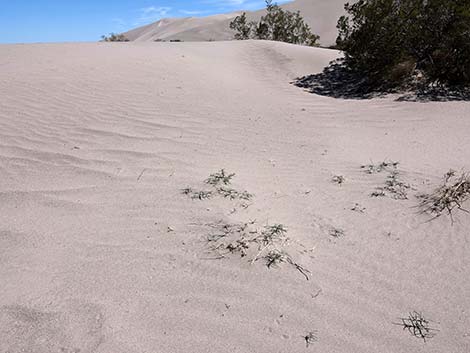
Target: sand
[[100, 251]]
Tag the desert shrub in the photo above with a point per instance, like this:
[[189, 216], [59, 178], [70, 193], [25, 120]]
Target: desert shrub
[[113, 37], [242, 28], [277, 25], [389, 41]]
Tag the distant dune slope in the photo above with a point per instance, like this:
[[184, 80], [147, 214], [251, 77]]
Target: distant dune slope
[[322, 16]]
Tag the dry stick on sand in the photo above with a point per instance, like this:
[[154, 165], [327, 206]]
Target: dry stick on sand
[[141, 174], [450, 196], [417, 326]]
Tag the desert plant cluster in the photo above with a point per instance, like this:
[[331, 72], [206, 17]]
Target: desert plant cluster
[[277, 25], [220, 185], [113, 37], [446, 198], [393, 186], [267, 244], [392, 43]]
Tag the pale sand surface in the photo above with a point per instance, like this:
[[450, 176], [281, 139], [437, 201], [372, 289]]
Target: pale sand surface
[[96, 143], [321, 15]]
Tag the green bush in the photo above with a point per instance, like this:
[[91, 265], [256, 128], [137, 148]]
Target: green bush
[[242, 28], [277, 25], [389, 41], [114, 38]]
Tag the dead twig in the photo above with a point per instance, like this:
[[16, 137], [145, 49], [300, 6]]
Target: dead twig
[[417, 326], [141, 174], [451, 195]]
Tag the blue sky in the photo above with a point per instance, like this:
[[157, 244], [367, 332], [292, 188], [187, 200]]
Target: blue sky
[[26, 21]]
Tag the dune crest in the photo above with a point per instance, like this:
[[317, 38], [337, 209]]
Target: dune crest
[[321, 15]]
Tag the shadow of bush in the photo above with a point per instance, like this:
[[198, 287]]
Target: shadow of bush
[[337, 81]]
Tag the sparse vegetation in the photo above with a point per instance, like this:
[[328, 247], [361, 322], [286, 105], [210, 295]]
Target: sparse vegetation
[[454, 192], [394, 187], [267, 243], [220, 182], [276, 257], [391, 42], [113, 37], [233, 194], [276, 233], [417, 326], [197, 194], [239, 236], [220, 177], [277, 25]]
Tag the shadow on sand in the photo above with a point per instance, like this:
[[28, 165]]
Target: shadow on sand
[[337, 81]]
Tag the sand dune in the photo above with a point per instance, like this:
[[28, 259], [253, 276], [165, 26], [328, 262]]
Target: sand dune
[[100, 251], [321, 15]]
